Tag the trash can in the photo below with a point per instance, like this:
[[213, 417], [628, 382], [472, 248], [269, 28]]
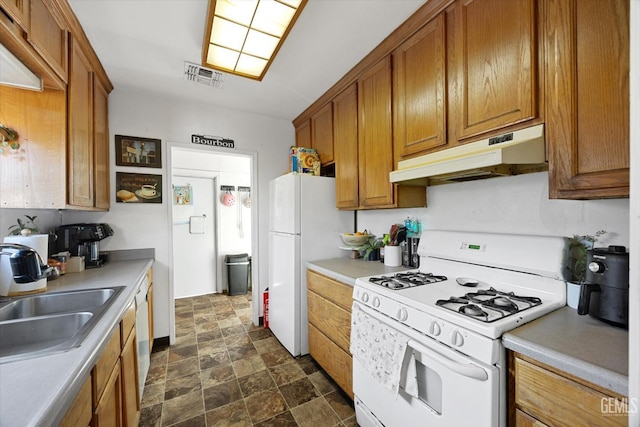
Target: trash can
[[237, 273]]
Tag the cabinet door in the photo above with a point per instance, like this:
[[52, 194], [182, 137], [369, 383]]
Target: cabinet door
[[101, 145], [419, 107], [303, 134], [108, 412], [130, 390], [48, 35], [18, 10], [345, 147], [587, 124], [495, 65], [80, 122], [375, 145], [322, 133]]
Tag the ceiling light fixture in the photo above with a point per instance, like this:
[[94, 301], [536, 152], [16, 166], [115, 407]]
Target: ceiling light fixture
[[243, 36]]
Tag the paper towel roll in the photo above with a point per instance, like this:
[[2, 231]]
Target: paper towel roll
[[38, 242]]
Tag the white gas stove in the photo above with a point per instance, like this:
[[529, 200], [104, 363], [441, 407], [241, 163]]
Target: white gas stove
[[448, 316]]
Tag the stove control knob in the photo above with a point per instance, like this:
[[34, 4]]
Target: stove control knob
[[596, 267], [364, 297], [376, 302], [402, 314], [457, 339], [434, 328]]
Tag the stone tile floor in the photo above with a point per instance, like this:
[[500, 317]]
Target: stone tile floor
[[224, 371]]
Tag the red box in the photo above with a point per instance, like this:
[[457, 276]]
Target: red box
[[265, 303]]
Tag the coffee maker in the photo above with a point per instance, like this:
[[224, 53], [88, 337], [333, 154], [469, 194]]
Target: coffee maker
[[84, 240], [605, 293]]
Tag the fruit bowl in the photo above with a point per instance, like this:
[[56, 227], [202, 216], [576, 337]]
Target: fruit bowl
[[355, 240]]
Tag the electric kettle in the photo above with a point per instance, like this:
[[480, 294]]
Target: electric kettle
[[605, 293]]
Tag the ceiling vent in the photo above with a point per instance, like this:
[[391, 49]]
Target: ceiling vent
[[201, 75]]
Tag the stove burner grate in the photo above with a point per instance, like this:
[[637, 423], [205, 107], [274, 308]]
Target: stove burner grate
[[406, 280], [489, 305]]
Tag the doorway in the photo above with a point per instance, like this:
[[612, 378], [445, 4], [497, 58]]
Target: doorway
[[205, 227]]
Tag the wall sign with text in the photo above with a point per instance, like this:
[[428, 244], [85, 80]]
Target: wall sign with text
[[214, 141]]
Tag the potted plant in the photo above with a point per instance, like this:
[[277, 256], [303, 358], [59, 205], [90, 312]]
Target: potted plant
[[24, 228], [371, 249], [578, 247]]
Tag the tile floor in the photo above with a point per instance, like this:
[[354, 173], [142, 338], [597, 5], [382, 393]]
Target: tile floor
[[224, 371]]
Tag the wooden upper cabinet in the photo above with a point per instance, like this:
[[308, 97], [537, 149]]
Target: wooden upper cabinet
[[345, 147], [322, 133], [495, 65], [80, 134], [419, 82], [375, 143], [587, 124], [101, 145], [303, 134], [48, 35], [19, 11]]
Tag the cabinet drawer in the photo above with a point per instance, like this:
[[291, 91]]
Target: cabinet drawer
[[331, 320], [334, 291], [335, 361], [560, 401], [104, 367], [128, 322]]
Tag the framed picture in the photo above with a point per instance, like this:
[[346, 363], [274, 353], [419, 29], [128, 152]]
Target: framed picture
[[138, 188], [135, 151]]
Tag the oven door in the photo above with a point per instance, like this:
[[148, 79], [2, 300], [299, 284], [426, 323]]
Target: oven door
[[438, 386]]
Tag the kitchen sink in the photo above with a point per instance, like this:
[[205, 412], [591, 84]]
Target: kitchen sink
[[42, 335], [61, 302], [41, 325]]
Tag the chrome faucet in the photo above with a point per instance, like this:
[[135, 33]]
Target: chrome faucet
[[26, 264]]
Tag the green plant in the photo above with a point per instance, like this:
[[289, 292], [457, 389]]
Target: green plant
[[373, 244], [24, 228], [578, 247], [8, 138]]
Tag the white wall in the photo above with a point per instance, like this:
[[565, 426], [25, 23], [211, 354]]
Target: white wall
[[516, 204]]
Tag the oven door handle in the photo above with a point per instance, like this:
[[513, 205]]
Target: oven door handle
[[467, 369]]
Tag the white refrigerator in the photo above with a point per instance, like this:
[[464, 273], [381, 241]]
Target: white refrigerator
[[304, 225]]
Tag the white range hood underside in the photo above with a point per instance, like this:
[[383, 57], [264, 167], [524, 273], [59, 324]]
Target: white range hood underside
[[495, 156]]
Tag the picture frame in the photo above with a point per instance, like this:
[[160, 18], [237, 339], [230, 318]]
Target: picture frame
[[138, 152], [138, 188]]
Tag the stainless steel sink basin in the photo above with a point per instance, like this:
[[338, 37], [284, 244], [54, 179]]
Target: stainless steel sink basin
[[42, 335], [45, 324], [62, 302]]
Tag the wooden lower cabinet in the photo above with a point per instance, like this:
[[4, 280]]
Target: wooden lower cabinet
[[329, 307], [108, 412], [129, 369], [80, 412], [542, 395]]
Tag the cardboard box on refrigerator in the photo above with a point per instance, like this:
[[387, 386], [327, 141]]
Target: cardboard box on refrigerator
[[304, 160]]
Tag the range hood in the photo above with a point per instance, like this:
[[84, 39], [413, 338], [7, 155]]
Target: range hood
[[502, 155], [15, 73]]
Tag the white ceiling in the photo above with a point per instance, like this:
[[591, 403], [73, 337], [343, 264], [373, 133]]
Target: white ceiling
[[143, 45]]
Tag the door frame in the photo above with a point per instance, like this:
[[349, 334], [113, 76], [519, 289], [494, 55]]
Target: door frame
[[255, 232]]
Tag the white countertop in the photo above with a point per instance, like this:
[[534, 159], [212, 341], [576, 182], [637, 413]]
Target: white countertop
[[347, 270], [579, 345], [38, 391]]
